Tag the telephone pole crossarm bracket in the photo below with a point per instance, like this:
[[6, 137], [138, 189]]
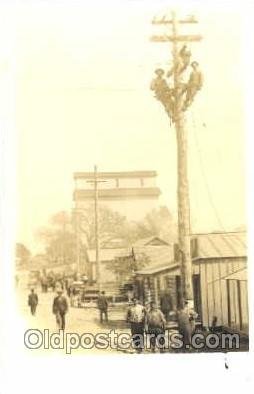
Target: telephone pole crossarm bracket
[[164, 21]]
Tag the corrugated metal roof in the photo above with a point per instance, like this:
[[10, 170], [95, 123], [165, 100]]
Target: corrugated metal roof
[[212, 245], [215, 245]]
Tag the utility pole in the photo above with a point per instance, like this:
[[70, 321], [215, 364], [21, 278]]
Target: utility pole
[[95, 182], [77, 228], [180, 95]]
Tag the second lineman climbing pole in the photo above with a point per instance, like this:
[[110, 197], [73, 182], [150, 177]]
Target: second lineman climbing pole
[[176, 100]]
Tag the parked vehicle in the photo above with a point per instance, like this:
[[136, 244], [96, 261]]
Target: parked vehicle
[[82, 294]]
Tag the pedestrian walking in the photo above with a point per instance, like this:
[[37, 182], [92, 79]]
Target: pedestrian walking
[[33, 301], [136, 317], [155, 322], [60, 308], [102, 304]]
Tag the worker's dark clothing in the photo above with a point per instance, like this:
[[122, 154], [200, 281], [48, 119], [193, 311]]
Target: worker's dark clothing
[[33, 302], [60, 308]]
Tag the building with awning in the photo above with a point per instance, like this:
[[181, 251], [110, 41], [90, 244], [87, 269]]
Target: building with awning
[[220, 282]]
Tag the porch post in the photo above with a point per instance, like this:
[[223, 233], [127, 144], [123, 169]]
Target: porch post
[[147, 290], [156, 296]]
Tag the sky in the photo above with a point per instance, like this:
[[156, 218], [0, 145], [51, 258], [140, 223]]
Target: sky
[[83, 71]]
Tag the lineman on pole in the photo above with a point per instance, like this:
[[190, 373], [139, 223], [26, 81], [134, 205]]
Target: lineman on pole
[[166, 95]]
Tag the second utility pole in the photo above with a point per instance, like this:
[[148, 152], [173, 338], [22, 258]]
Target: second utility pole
[[97, 245], [95, 182], [182, 154]]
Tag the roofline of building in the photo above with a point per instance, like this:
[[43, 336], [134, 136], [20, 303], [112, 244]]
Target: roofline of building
[[219, 233], [217, 257], [117, 174], [146, 241], [157, 270], [160, 269]]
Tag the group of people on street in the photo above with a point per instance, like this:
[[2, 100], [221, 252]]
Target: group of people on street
[[143, 320], [49, 280], [60, 305], [152, 321], [166, 94], [59, 309]]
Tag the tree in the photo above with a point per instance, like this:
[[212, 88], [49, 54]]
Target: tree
[[124, 266], [112, 226], [23, 255], [59, 239], [159, 223]]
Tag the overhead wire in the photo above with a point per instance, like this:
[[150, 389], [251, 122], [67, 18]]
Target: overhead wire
[[202, 167]]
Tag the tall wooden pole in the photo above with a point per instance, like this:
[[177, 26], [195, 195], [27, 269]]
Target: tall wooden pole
[[182, 154], [77, 224], [95, 182], [182, 178]]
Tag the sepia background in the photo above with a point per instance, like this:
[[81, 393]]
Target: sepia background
[[64, 124]]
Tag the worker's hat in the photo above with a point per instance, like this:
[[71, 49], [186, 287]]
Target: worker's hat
[[159, 71]]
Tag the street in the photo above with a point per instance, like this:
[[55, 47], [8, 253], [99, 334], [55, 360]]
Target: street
[[78, 320], [85, 334]]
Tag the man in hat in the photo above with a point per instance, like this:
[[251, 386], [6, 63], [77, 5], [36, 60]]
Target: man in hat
[[60, 308], [162, 91], [185, 56], [156, 322], [194, 84], [33, 301], [182, 62], [102, 304], [159, 85], [136, 318]]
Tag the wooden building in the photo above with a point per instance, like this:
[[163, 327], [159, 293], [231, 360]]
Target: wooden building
[[219, 279]]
